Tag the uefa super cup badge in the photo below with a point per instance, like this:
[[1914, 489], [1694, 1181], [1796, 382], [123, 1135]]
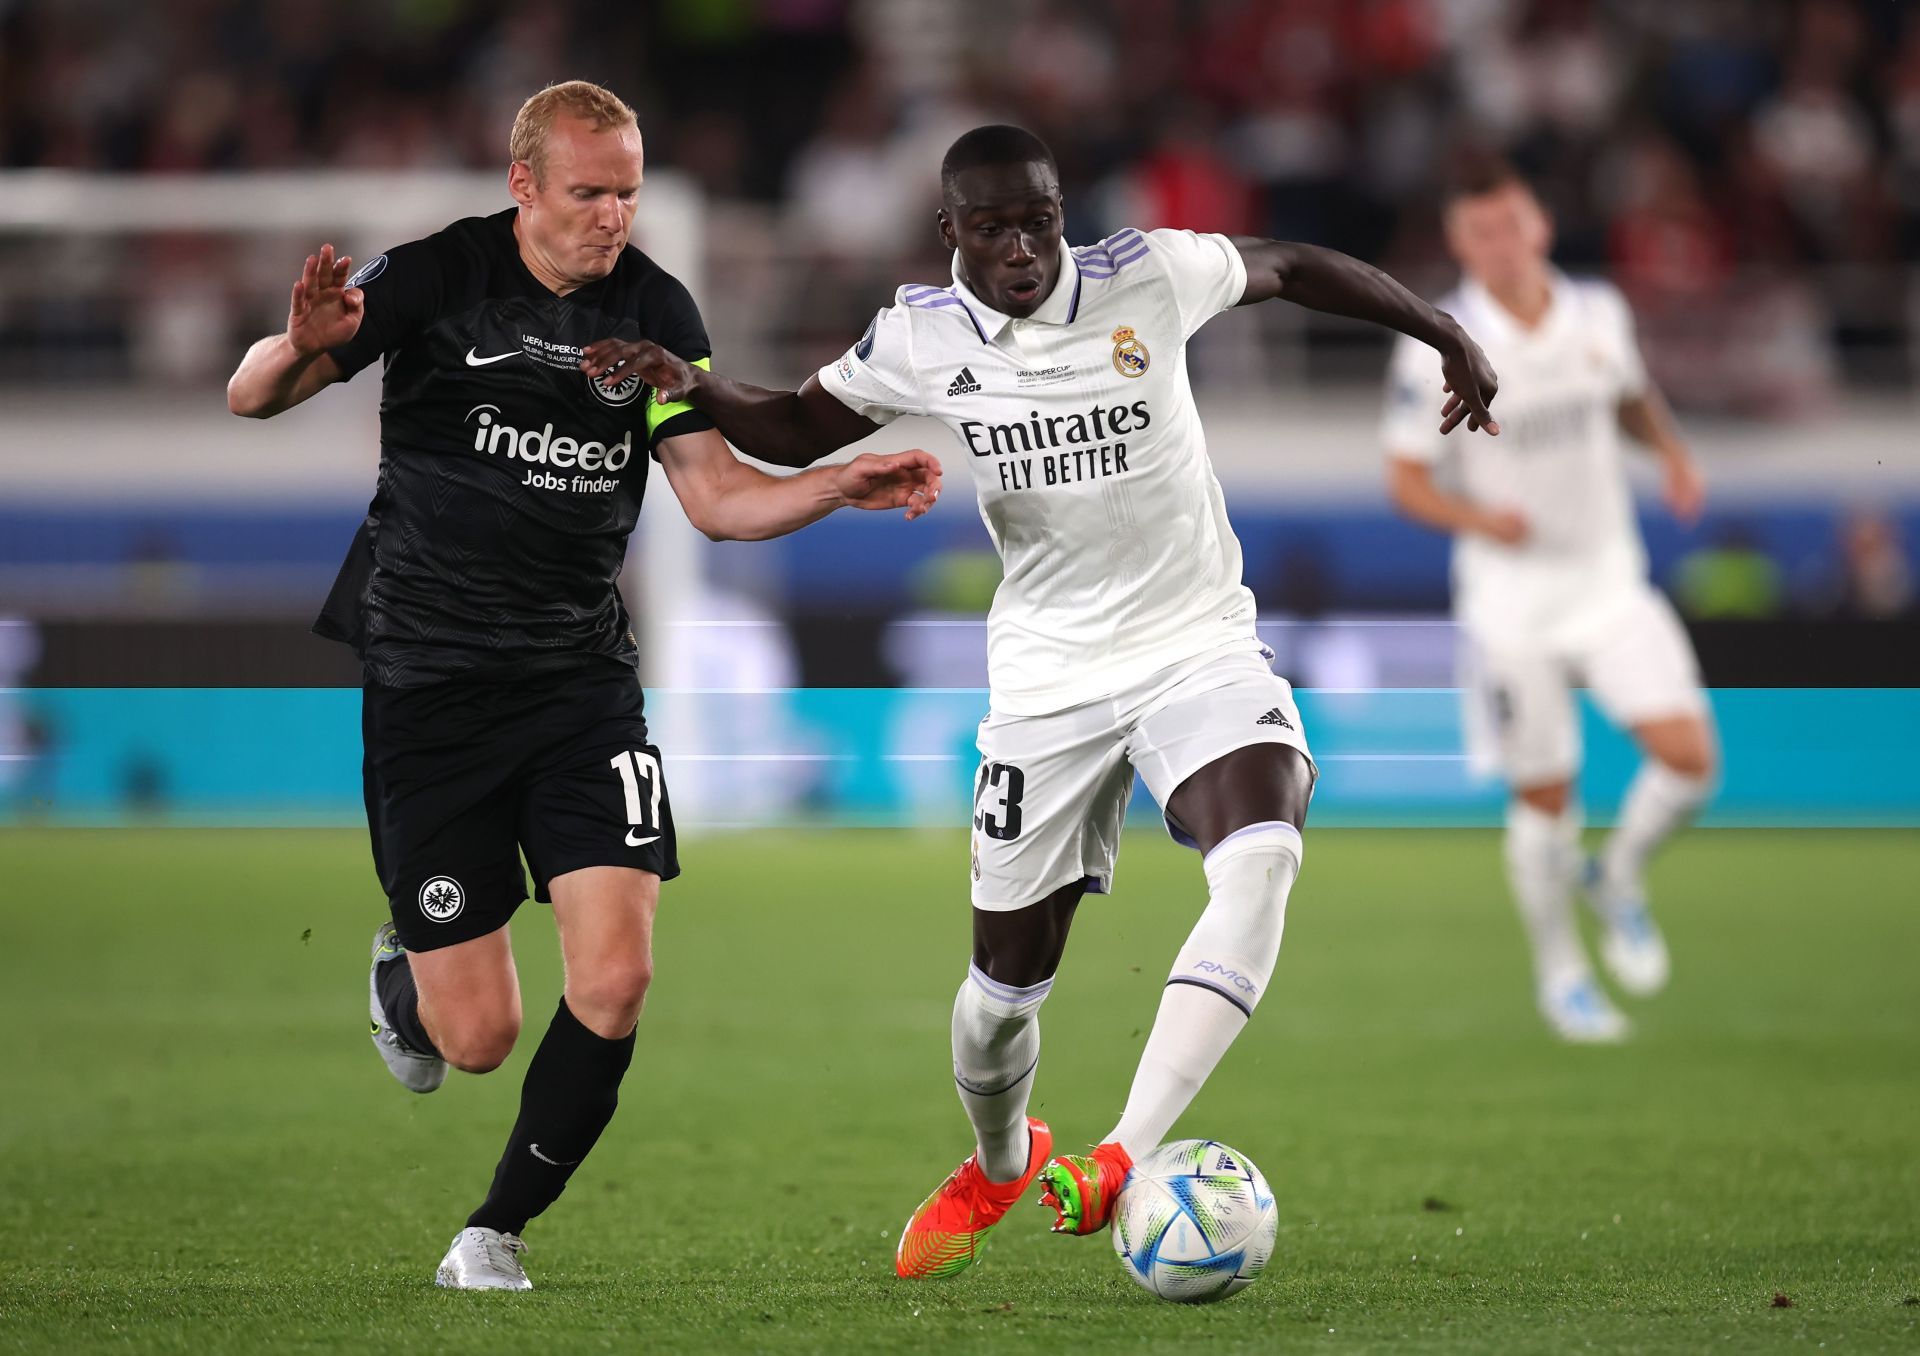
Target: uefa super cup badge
[[1130, 356]]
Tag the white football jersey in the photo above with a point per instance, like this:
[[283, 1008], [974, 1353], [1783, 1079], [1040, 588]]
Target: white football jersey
[[1086, 449], [1557, 461]]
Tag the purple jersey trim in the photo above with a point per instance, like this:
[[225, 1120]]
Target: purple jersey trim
[[940, 298], [1112, 254]]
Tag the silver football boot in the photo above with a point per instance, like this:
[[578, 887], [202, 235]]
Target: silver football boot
[[483, 1259], [1580, 1014], [417, 1071], [1631, 946]]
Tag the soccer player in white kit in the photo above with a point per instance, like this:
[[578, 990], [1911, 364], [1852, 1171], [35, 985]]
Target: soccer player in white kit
[[1551, 590], [1121, 636]]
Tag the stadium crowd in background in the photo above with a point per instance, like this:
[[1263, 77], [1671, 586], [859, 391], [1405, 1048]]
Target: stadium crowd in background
[[1745, 167]]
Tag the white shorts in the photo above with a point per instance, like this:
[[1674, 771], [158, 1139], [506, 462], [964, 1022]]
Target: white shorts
[[1520, 718], [1052, 791]]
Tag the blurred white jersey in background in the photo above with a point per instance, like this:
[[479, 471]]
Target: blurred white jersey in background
[[1557, 461]]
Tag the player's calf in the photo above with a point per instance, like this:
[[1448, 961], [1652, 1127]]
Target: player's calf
[[1217, 980], [1672, 785], [1542, 852]]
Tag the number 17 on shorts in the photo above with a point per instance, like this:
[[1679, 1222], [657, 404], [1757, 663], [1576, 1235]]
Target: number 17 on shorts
[[640, 782]]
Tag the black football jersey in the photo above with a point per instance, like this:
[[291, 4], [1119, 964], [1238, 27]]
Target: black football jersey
[[509, 481]]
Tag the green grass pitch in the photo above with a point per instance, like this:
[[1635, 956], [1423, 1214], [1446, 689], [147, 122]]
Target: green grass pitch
[[199, 1151]]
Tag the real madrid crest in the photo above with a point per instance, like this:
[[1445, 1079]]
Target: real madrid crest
[[1130, 356]]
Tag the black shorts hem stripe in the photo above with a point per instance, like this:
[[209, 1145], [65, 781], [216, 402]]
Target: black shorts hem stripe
[[475, 920], [640, 859]]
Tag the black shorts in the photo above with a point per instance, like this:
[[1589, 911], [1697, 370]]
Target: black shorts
[[461, 777]]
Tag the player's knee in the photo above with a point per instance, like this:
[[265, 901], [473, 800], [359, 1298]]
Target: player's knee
[[1692, 759], [990, 1017], [1234, 946], [479, 1043], [1020, 969], [1549, 798], [608, 998], [1003, 1002]]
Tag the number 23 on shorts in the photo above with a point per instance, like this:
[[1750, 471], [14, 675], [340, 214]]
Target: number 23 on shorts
[[996, 800]]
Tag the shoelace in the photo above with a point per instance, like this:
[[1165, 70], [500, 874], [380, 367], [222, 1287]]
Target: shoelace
[[503, 1253], [969, 1178]]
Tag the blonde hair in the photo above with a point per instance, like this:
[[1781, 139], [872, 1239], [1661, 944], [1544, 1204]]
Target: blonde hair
[[570, 98]]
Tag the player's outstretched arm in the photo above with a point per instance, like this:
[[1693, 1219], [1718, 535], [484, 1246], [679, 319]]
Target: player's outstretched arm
[[781, 428], [284, 369], [731, 501], [1410, 485], [1648, 419], [1327, 280]]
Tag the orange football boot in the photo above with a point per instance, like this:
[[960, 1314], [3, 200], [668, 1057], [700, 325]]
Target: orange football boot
[[945, 1233], [1080, 1189]]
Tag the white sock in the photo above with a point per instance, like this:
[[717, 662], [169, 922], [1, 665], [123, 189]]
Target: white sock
[[996, 1048], [1543, 859], [1660, 802], [1217, 979]]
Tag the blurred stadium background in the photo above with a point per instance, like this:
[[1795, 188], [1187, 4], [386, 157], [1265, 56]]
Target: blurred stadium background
[[1748, 170]]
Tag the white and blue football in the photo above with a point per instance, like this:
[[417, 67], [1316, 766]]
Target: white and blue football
[[1195, 1221]]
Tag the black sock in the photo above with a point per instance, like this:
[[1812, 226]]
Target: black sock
[[572, 1087], [400, 999]]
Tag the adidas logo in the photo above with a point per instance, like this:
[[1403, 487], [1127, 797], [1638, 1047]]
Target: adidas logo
[[964, 384], [1275, 717]]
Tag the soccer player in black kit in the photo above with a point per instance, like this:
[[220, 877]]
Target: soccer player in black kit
[[502, 711]]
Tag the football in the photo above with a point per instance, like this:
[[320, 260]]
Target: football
[[1195, 1221]]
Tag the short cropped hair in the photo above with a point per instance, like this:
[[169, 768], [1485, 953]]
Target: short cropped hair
[[1477, 171], [570, 98], [995, 144]]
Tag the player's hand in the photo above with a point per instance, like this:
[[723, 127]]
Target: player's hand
[[1471, 384], [1685, 488], [612, 361], [325, 312], [1507, 526], [909, 480]]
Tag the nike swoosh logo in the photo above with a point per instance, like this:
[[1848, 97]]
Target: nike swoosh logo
[[640, 842], [534, 1149], [475, 361]]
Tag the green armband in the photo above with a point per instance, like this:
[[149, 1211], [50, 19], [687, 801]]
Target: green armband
[[658, 414]]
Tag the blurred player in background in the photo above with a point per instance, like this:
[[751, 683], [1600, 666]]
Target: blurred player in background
[[1550, 586], [1121, 635], [502, 712]]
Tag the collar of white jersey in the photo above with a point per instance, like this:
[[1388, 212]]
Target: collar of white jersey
[[1500, 324], [1060, 307]]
